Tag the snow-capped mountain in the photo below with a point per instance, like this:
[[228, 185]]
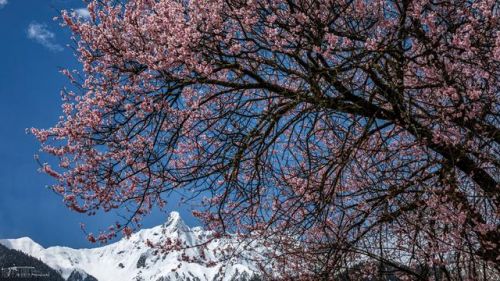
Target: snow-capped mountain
[[131, 259]]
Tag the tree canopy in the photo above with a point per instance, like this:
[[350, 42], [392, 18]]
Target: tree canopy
[[335, 130]]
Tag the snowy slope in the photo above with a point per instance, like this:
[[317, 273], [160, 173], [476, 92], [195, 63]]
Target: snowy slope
[[131, 259]]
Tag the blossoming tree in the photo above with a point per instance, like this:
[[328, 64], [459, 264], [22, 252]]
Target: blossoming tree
[[339, 132]]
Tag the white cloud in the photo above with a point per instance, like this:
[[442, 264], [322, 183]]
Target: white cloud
[[40, 33], [3, 3], [81, 12]]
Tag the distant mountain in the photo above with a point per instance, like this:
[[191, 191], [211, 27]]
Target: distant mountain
[[132, 260], [11, 258]]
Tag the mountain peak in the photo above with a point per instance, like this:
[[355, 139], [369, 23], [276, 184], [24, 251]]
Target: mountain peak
[[174, 216], [174, 222]]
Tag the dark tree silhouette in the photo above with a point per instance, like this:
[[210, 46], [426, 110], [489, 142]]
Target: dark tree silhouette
[[335, 131]]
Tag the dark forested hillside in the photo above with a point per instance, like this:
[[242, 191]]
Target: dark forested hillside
[[9, 258]]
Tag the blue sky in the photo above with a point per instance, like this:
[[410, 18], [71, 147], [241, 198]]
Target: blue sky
[[33, 48]]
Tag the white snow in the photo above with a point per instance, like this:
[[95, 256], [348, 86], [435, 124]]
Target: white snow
[[119, 261]]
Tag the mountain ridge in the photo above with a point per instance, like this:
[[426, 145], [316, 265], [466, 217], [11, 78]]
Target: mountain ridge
[[131, 259]]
